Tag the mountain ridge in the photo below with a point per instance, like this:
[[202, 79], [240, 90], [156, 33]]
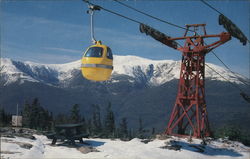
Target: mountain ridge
[[154, 72]]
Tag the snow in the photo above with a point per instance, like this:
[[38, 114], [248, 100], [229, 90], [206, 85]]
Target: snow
[[124, 64], [12, 73], [161, 68], [155, 72], [134, 149]]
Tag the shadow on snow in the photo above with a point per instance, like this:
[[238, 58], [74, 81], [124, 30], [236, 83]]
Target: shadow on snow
[[208, 150], [94, 143]]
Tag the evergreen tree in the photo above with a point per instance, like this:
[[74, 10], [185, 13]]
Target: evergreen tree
[[89, 127], [4, 118], [153, 131], [41, 121], [109, 122], [123, 130], [61, 119], [84, 127], [35, 116], [140, 126], [130, 134], [75, 114], [45, 122], [39, 116], [96, 120], [27, 115], [233, 132], [51, 121], [140, 129]]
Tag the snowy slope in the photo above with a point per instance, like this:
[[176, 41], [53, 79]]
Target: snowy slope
[[13, 71], [161, 71], [10, 73], [154, 72], [134, 149]]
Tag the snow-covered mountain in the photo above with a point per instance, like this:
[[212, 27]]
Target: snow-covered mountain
[[152, 72], [136, 84]]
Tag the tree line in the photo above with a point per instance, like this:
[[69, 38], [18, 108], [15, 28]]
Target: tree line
[[98, 124], [5, 118]]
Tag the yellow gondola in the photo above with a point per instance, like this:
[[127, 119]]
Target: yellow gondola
[[97, 62]]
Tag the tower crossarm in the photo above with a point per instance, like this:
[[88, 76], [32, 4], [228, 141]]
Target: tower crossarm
[[197, 41]]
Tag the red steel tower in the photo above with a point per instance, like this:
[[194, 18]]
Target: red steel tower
[[190, 113]]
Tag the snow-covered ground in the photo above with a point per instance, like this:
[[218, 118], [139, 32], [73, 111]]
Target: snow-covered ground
[[117, 149]]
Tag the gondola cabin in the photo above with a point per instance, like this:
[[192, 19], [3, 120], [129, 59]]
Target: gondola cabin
[[97, 62]]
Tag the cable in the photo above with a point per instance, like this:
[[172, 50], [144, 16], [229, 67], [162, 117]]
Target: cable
[[146, 14], [211, 6], [136, 21], [236, 86], [118, 14], [217, 12], [229, 69], [243, 94], [214, 52]]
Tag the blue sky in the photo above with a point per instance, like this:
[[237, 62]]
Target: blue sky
[[58, 31]]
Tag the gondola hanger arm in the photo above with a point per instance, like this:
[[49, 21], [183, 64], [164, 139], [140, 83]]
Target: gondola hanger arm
[[92, 9]]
